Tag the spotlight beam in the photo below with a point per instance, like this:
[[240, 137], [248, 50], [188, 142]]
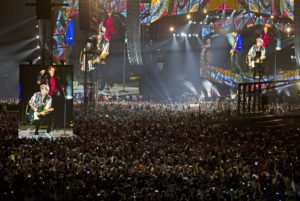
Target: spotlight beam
[[18, 46], [11, 28]]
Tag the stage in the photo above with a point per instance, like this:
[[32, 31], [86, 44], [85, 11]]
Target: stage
[[29, 133]]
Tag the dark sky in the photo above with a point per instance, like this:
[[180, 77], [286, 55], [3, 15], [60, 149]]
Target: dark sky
[[17, 27]]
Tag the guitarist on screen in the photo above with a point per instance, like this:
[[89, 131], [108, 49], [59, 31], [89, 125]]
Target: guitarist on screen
[[236, 51], [40, 104], [256, 54], [102, 47]]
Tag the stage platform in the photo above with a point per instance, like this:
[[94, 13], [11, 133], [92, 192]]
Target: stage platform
[[116, 90], [29, 133]]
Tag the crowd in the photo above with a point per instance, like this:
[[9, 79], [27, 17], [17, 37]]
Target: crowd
[[152, 152], [8, 104]]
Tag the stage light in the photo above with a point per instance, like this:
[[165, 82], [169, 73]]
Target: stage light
[[190, 35], [232, 94], [36, 60], [289, 29], [182, 34], [174, 35], [190, 86], [209, 87], [206, 16], [37, 26], [272, 16], [38, 47], [178, 35], [196, 35], [68, 97], [278, 44], [39, 57], [211, 23], [188, 16], [171, 29], [190, 22], [37, 37], [204, 11], [228, 17]]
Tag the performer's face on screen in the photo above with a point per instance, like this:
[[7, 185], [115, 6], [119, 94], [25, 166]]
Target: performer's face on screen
[[258, 43], [44, 91], [52, 72]]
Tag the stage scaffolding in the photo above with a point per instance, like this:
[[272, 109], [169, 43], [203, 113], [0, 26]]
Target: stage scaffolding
[[254, 97]]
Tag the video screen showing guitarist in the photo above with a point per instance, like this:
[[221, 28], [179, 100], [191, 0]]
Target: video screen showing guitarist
[[96, 50], [40, 108], [102, 47]]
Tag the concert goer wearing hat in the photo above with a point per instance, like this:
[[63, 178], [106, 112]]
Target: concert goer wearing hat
[[39, 102]]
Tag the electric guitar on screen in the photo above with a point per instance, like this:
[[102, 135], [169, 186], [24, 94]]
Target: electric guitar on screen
[[252, 61], [98, 59], [89, 63], [36, 115]]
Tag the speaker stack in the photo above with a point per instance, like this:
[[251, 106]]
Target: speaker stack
[[133, 29], [84, 15], [297, 30]]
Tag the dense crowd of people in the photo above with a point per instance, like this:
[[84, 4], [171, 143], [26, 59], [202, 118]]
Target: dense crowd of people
[[143, 151], [8, 105]]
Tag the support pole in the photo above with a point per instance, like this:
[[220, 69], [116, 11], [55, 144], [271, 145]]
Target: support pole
[[239, 99]]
